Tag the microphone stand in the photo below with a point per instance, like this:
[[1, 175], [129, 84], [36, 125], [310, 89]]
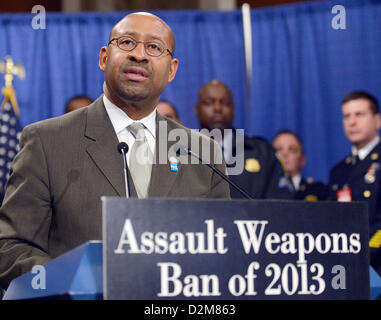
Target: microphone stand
[[223, 176]]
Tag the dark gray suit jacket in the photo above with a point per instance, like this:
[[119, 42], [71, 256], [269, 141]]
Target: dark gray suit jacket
[[52, 202]]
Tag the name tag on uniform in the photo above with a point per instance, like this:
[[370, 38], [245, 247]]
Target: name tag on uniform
[[344, 195]]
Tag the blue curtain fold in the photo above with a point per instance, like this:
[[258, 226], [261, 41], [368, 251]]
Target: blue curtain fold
[[302, 67]]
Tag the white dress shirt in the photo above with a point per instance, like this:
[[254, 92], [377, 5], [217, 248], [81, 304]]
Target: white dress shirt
[[296, 181], [120, 121], [363, 152], [227, 145]]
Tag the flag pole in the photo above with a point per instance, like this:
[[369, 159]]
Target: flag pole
[[247, 39]]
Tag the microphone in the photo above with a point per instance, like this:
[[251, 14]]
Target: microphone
[[123, 149], [186, 151]]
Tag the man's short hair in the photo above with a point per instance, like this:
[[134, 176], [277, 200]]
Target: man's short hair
[[374, 106], [216, 82], [172, 106], [294, 134], [79, 96]]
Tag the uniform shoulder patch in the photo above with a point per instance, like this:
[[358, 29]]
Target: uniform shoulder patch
[[375, 241]]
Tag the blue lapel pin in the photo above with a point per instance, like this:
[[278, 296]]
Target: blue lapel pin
[[174, 164]]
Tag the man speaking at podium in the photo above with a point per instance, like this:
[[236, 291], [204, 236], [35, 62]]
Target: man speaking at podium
[[53, 199]]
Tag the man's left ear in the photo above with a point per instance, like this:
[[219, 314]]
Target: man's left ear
[[304, 160], [103, 58], [378, 121], [173, 69]]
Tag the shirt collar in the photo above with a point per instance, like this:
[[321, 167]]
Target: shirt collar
[[120, 120], [363, 152], [227, 136], [227, 144], [296, 181]]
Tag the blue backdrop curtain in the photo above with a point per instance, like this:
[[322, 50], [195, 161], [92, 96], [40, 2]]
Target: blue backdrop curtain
[[301, 66]]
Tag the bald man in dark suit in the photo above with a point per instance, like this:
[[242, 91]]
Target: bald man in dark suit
[[66, 164]]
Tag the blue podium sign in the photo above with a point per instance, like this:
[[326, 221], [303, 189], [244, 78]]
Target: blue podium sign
[[239, 249]]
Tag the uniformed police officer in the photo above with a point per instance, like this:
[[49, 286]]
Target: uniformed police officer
[[358, 176], [289, 148], [261, 170]]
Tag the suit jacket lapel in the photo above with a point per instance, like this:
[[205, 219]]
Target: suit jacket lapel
[[102, 146], [162, 178]]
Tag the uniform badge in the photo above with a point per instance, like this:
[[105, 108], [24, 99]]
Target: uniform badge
[[370, 176], [174, 164], [348, 160], [252, 165], [310, 197], [374, 156]]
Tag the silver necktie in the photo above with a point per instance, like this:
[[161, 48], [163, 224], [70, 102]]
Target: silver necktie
[[140, 160]]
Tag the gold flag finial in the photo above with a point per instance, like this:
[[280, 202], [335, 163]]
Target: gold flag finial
[[10, 69]]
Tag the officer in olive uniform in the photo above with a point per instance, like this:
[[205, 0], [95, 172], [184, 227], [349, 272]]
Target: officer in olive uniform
[[358, 177], [251, 161], [289, 148]]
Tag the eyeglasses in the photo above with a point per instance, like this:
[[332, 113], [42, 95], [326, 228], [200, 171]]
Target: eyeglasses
[[152, 48]]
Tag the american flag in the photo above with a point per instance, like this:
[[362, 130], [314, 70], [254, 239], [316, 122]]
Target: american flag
[[10, 131]]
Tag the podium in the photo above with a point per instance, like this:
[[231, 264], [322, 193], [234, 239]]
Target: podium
[[375, 284], [243, 252], [75, 275]]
